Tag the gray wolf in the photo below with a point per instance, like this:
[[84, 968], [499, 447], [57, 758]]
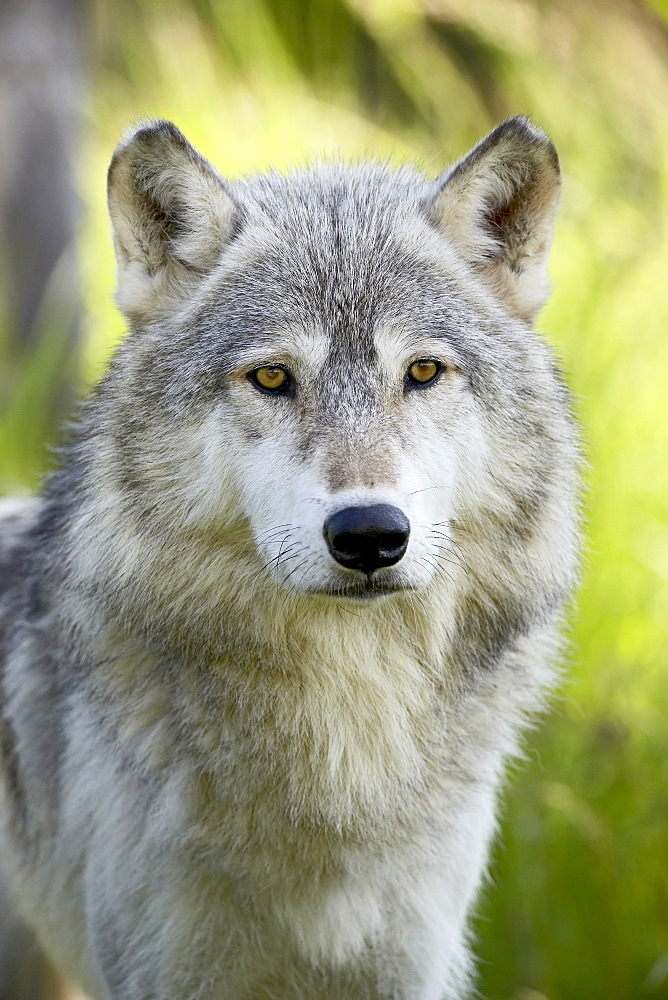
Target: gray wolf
[[273, 630]]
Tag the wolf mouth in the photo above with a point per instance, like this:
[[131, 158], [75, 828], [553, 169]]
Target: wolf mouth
[[366, 589]]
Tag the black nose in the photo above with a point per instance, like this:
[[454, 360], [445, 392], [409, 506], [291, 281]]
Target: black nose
[[367, 538]]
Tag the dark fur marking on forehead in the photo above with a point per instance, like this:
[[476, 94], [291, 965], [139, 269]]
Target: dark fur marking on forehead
[[335, 246]]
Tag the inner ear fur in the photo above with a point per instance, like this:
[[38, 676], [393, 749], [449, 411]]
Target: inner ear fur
[[172, 216], [497, 206]]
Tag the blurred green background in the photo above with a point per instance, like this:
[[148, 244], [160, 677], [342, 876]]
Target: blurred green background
[[577, 903]]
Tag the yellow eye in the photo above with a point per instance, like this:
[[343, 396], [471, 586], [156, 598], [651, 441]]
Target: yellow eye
[[270, 378], [423, 371]]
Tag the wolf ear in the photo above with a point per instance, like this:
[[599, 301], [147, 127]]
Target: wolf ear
[[172, 217], [498, 205]]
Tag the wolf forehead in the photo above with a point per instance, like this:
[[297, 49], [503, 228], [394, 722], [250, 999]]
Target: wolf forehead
[[337, 249]]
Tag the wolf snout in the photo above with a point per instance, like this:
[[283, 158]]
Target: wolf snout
[[367, 538]]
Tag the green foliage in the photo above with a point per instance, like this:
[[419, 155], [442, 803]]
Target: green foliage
[[578, 907]]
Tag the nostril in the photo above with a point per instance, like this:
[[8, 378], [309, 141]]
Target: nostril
[[351, 545], [367, 538], [392, 542]]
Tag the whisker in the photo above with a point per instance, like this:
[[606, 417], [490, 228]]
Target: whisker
[[438, 486], [457, 546], [275, 541], [452, 545], [340, 609], [453, 562], [351, 612], [289, 557], [274, 528], [413, 596], [281, 552], [294, 569], [292, 589], [437, 566]]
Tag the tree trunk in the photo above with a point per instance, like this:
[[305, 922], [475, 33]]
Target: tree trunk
[[40, 99]]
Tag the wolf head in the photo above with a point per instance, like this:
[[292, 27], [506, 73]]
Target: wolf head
[[331, 387]]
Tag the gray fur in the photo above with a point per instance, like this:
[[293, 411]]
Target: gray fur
[[233, 768]]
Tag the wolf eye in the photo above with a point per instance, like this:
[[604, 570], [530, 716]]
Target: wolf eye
[[424, 371], [270, 379]]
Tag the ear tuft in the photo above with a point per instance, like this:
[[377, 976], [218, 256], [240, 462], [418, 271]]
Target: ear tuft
[[498, 206], [172, 215]]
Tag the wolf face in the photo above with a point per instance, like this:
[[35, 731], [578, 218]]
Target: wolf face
[[344, 354]]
